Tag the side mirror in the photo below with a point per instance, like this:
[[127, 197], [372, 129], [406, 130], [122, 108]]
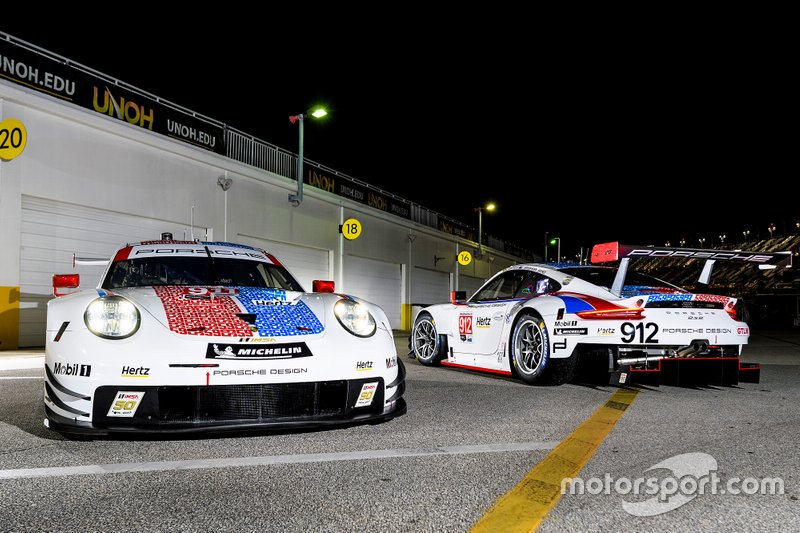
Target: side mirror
[[458, 297], [65, 281], [320, 285]]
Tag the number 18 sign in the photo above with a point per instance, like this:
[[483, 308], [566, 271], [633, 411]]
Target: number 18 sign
[[351, 229]]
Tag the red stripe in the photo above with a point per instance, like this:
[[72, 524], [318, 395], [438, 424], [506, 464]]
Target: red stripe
[[123, 254], [469, 367], [598, 303], [275, 260]]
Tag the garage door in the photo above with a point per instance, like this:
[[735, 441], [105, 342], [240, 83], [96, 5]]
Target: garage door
[[429, 286], [377, 282], [53, 231], [469, 284], [306, 264]]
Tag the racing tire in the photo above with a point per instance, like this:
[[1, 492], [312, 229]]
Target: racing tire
[[428, 346], [530, 348]]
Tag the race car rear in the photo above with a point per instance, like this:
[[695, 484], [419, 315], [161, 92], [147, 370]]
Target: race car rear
[[678, 338]]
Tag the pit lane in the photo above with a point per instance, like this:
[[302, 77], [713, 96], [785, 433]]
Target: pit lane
[[467, 440]]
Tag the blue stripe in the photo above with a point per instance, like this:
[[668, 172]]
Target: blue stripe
[[101, 293], [279, 320], [575, 305], [669, 297]]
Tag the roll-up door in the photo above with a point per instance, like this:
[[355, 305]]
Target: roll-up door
[[52, 231], [376, 281], [429, 286], [305, 263]]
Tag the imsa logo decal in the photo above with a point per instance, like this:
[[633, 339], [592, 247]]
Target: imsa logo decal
[[288, 350], [126, 403]]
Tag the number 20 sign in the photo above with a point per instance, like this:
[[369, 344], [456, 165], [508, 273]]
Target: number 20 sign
[[13, 138]]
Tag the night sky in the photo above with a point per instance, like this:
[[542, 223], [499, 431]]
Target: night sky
[[639, 138]]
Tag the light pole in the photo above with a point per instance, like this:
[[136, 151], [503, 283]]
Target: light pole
[[296, 199], [558, 250], [722, 237], [683, 242], [488, 207], [771, 229], [702, 241]]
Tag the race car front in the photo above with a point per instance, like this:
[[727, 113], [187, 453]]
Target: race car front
[[187, 336]]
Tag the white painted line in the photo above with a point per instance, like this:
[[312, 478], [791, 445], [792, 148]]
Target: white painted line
[[21, 363], [21, 377], [194, 464]]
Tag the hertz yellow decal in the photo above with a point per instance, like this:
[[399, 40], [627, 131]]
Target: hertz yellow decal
[[13, 138], [464, 258]]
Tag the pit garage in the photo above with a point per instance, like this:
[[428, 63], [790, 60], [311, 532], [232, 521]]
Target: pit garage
[[90, 179]]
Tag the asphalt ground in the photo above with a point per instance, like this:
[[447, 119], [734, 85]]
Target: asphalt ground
[[467, 444]]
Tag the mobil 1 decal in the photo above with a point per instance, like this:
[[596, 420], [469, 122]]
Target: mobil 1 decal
[[288, 350]]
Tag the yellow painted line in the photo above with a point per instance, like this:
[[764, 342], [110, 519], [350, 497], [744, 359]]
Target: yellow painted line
[[524, 507]]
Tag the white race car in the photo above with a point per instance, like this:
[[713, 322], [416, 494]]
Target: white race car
[[184, 336], [535, 321]]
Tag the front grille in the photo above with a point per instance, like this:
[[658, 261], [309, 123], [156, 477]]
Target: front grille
[[219, 404]]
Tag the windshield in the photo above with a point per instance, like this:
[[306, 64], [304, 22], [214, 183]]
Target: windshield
[[152, 271], [604, 277]]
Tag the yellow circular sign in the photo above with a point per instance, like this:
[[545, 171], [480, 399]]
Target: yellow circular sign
[[13, 138], [351, 229], [464, 258]]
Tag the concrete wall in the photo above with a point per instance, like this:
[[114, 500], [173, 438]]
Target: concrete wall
[[78, 157]]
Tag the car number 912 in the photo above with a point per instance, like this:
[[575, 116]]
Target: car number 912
[[630, 332]]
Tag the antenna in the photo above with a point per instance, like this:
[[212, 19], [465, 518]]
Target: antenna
[[191, 227]]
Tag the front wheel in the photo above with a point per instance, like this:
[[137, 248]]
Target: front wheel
[[530, 348], [425, 341]]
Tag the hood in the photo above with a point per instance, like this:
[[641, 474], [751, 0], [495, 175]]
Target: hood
[[231, 311]]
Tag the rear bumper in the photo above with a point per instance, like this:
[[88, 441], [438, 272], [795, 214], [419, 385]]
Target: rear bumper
[[688, 372]]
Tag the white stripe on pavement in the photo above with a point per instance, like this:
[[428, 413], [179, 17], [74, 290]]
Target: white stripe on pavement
[[21, 377], [21, 363], [193, 464]]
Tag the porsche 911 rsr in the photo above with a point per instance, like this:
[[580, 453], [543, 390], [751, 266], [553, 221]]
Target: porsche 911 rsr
[[186, 336], [536, 321]]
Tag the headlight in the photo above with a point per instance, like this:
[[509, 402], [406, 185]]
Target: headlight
[[112, 317], [355, 318]]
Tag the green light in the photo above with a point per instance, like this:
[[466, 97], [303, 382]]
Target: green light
[[319, 113], [553, 242]]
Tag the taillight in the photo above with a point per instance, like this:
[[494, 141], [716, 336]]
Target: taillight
[[731, 310], [65, 281], [627, 313]]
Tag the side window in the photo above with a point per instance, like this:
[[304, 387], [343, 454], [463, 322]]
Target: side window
[[537, 284], [501, 287]]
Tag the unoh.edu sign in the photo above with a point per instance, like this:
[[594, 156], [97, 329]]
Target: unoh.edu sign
[[41, 73]]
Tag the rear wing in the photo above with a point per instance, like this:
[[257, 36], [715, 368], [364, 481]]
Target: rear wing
[[613, 251]]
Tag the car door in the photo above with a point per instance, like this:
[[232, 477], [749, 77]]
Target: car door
[[479, 324]]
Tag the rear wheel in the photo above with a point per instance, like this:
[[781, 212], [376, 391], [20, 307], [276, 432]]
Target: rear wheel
[[425, 342], [530, 347]]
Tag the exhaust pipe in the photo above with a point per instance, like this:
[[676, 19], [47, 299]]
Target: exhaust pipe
[[639, 360], [697, 346]]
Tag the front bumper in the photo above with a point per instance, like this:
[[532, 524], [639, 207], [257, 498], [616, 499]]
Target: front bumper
[[238, 407]]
